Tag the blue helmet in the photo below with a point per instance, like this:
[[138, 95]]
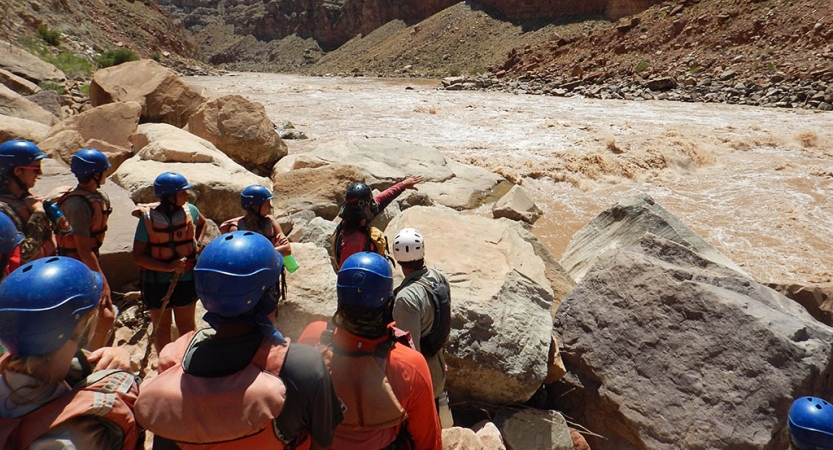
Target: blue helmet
[[169, 183], [9, 236], [810, 422], [366, 280], [18, 153], [88, 161], [255, 195], [234, 271], [42, 302]]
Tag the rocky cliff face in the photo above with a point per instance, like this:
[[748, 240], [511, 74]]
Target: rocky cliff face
[[334, 22]]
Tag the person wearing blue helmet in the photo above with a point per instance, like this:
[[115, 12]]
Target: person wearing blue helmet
[[240, 383], [365, 350], [167, 240], [52, 393], [87, 208], [20, 166], [256, 201], [810, 423], [9, 250]]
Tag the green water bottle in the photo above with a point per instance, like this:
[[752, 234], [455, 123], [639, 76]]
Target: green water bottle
[[290, 263]]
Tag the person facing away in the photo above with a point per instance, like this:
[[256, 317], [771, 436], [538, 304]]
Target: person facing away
[[87, 210], [256, 201], [166, 242], [53, 395], [20, 166], [10, 239], [384, 384], [354, 233], [239, 384], [421, 312]]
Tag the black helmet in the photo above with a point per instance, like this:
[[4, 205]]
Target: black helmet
[[358, 204], [358, 191]]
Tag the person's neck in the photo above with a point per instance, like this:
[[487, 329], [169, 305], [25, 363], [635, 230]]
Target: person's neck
[[90, 186], [407, 271], [16, 190]]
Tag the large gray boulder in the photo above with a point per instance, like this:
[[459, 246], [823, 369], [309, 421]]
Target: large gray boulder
[[311, 291], [163, 96], [26, 65], [384, 162], [624, 224], [15, 105], [501, 301], [668, 350], [217, 180]]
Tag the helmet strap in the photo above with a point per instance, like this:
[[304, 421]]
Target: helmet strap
[[20, 185]]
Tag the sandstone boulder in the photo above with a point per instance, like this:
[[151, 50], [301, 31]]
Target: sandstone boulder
[[501, 302], [459, 438], [217, 180], [26, 65], [311, 291], [533, 429], [114, 123], [18, 84], [666, 350], [162, 95], [489, 436], [383, 162], [816, 298], [17, 128], [517, 204], [318, 231], [62, 144], [241, 129], [624, 224], [15, 105], [319, 189]]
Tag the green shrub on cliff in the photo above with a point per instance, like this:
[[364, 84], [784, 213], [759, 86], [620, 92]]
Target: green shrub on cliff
[[51, 37], [115, 57]]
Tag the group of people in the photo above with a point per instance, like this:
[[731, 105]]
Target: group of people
[[371, 378]]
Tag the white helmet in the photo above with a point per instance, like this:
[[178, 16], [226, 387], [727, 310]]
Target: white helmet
[[408, 245]]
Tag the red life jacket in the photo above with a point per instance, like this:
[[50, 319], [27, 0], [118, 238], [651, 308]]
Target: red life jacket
[[106, 394], [170, 238], [99, 205], [229, 413]]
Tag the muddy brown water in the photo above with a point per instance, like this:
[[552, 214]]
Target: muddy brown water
[[753, 182]]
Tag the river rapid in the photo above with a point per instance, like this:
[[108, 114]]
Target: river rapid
[[754, 182]]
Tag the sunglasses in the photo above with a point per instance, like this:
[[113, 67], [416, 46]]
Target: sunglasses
[[38, 170]]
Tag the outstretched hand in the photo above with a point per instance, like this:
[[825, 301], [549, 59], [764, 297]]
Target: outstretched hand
[[107, 358], [412, 180]]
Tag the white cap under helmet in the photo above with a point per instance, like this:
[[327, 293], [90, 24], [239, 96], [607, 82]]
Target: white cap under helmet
[[408, 245]]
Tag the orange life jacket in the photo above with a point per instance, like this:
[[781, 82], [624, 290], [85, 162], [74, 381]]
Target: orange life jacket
[[173, 238], [99, 204], [361, 382], [229, 413], [23, 214], [265, 227], [106, 394]]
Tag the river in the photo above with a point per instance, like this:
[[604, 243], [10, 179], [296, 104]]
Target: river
[[753, 182]]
